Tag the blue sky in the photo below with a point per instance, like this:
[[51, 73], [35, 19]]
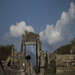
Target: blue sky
[[37, 13]]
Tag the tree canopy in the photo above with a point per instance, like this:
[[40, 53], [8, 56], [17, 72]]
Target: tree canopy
[[5, 51]]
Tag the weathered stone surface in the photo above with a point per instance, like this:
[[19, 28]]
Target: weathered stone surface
[[17, 64], [65, 63]]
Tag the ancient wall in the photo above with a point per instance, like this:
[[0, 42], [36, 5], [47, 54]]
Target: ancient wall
[[65, 63]]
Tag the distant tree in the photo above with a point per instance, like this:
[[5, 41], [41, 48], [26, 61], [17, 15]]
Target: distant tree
[[73, 41], [5, 51]]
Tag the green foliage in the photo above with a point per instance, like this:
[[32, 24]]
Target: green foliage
[[66, 49], [5, 51]]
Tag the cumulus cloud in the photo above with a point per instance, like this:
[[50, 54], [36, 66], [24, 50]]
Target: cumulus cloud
[[63, 31], [50, 34], [19, 29]]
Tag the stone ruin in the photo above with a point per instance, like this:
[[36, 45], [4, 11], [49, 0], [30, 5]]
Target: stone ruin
[[18, 63], [65, 63], [31, 39]]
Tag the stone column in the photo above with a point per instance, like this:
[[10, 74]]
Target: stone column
[[23, 48], [42, 64], [38, 48]]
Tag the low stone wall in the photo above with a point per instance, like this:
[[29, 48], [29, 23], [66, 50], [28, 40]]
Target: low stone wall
[[12, 73], [65, 63]]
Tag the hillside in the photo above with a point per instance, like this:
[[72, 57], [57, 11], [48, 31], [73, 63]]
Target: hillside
[[67, 49]]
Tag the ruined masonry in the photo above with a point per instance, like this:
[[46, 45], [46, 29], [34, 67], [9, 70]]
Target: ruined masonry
[[19, 64]]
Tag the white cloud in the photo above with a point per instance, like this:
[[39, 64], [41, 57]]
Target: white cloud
[[54, 35], [63, 31], [50, 34], [20, 28]]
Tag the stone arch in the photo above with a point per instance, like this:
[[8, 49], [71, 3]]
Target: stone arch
[[31, 38]]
